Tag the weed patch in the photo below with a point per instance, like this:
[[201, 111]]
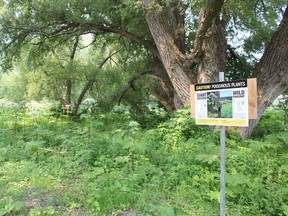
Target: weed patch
[[109, 165]]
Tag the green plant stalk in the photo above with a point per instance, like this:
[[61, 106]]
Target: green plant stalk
[[15, 125], [133, 162], [89, 135], [24, 131]]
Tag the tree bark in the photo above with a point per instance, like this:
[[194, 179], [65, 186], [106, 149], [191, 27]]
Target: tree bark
[[88, 86], [176, 22], [68, 90], [214, 49], [168, 51], [69, 82], [271, 72], [164, 90], [178, 65]]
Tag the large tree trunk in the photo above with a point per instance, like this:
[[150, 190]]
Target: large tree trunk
[[271, 72], [214, 48], [209, 54], [209, 45], [176, 23], [168, 51]]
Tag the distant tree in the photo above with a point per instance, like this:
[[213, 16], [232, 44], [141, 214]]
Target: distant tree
[[187, 41], [62, 76], [13, 85]]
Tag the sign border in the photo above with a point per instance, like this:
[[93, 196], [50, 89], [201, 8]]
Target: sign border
[[251, 85]]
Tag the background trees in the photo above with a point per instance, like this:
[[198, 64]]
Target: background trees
[[134, 51], [179, 42]]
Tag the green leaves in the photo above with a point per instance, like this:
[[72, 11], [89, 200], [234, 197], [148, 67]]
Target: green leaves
[[89, 171], [166, 211], [285, 209], [237, 179]]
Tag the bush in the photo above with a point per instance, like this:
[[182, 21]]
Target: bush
[[108, 164], [272, 121]]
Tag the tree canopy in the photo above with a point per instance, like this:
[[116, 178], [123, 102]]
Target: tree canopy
[[180, 42]]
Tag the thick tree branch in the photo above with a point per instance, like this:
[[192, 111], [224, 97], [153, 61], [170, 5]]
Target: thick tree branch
[[161, 25], [175, 15], [133, 79], [173, 60], [69, 30], [146, 43], [207, 14], [271, 72]]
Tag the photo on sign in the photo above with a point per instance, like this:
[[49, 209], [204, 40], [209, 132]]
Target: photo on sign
[[220, 104]]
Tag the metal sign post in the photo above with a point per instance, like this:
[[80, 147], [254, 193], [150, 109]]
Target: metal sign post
[[226, 103], [222, 162], [223, 171]]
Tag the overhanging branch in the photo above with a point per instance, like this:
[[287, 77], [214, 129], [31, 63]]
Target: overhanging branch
[[133, 79], [91, 82], [146, 43]]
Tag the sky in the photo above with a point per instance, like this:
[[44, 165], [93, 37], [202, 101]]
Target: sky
[[227, 93]]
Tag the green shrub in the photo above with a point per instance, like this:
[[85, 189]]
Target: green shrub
[[85, 167], [272, 121]]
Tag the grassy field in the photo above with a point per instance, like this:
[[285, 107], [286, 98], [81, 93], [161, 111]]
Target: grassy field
[[226, 111]]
